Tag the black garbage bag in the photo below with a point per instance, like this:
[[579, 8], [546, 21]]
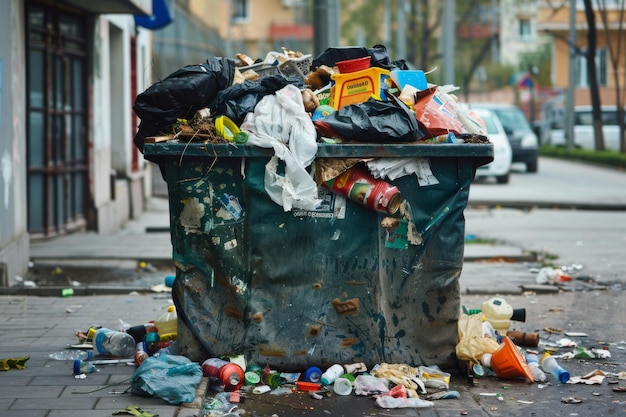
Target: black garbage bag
[[377, 53], [372, 121], [180, 95], [238, 100]]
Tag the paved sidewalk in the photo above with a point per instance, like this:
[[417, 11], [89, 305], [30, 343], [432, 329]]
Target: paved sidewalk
[[38, 326]]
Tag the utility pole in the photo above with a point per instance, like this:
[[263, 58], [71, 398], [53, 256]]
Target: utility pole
[[325, 25], [449, 34], [401, 33], [387, 22], [571, 85], [494, 30]]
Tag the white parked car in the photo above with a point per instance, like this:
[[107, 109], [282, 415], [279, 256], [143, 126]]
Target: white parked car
[[500, 167], [523, 140], [583, 129]]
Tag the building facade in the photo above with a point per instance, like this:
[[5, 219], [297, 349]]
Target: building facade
[[611, 35], [69, 73]]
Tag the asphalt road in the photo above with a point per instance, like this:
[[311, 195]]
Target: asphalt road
[[533, 213]]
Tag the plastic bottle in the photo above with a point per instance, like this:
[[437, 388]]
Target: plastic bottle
[[332, 374], [138, 332], [114, 343], [151, 343], [82, 367], [549, 364], [486, 360], [533, 364], [140, 354], [167, 324], [499, 313], [71, 355]]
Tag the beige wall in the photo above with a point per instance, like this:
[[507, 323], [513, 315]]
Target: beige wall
[[557, 21], [254, 33]]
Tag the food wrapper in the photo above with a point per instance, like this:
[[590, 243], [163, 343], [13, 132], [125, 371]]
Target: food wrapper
[[435, 114]]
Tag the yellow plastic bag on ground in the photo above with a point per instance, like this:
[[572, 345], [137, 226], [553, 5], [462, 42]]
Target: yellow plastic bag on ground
[[472, 343]]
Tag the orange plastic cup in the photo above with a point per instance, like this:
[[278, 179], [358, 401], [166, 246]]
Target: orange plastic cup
[[508, 362]]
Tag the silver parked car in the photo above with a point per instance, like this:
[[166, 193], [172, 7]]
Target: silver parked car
[[523, 140]]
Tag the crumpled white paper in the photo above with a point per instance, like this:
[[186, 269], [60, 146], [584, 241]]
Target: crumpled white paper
[[279, 121], [393, 168]]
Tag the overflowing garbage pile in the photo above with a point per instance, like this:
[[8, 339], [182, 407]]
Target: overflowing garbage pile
[[291, 102], [486, 344]]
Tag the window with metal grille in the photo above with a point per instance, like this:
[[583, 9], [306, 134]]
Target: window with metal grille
[[57, 163]]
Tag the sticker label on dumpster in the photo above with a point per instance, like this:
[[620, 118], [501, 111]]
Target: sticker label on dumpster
[[397, 233], [333, 206]]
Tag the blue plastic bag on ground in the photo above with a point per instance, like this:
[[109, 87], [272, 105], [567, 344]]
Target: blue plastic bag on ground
[[173, 378]]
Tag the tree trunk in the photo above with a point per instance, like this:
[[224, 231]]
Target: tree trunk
[[592, 73]]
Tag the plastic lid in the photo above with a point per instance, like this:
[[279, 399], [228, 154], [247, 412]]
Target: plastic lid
[[252, 378], [313, 374], [77, 367], [478, 370], [226, 128], [240, 137], [91, 333], [564, 376]]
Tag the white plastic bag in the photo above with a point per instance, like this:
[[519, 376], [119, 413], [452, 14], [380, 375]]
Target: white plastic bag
[[390, 402], [279, 121]]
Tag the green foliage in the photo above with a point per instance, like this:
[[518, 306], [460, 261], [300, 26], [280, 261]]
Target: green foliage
[[610, 159], [542, 60], [364, 17]]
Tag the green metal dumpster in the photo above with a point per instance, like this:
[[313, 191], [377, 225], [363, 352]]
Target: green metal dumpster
[[300, 288]]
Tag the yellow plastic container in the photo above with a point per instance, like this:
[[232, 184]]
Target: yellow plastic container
[[498, 312], [357, 87], [167, 324]]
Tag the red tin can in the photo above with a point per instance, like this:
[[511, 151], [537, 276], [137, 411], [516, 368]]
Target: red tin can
[[228, 374], [359, 185]]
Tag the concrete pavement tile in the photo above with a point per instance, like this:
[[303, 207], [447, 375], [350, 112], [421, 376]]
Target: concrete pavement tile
[[116, 402], [471, 410], [42, 403], [8, 379], [23, 393], [187, 412], [29, 413], [5, 403], [494, 277], [82, 413], [91, 381]]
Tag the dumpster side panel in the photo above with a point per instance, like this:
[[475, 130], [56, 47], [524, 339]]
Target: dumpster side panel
[[293, 289]]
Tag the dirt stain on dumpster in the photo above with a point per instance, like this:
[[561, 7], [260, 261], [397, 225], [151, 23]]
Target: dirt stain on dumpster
[[233, 312], [191, 215], [272, 350], [313, 330], [349, 341], [258, 317], [347, 308]]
